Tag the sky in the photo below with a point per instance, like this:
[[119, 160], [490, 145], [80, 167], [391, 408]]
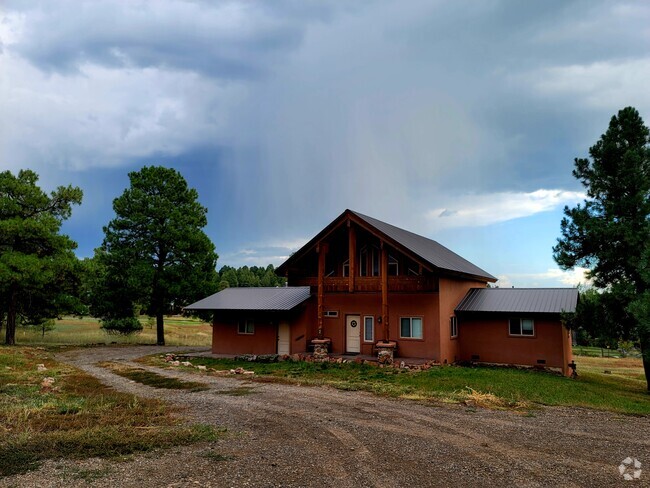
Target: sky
[[456, 120]]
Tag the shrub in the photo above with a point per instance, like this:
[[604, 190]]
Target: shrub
[[123, 326]]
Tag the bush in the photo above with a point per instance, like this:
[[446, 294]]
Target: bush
[[123, 326]]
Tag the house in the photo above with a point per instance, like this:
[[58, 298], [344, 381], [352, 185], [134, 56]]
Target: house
[[362, 286]]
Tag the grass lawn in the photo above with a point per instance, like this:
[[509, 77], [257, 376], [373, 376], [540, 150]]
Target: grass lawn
[[621, 391], [179, 331], [76, 416]]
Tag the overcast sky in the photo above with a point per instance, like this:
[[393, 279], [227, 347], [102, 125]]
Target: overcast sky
[[458, 120]]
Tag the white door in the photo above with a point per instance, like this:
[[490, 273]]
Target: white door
[[353, 333], [284, 339]]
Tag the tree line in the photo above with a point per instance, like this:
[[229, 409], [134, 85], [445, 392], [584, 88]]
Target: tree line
[[154, 259]]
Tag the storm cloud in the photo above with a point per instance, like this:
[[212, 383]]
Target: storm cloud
[[432, 115]]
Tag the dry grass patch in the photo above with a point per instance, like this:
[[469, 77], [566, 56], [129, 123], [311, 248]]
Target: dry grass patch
[[76, 416], [179, 331]]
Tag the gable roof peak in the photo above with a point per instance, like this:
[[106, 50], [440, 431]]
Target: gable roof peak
[[427, 250]]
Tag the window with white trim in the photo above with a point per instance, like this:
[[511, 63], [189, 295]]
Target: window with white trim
[[393, 266], [522, 327], [369, 329], [363, 261], [331, 313], [453, 326], [410, 328], [246, 327], [346, 268]]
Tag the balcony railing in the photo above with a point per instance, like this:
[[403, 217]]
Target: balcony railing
[[373, 283]]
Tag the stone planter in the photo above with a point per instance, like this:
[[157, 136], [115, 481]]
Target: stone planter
[[386, 352], [321, 348]]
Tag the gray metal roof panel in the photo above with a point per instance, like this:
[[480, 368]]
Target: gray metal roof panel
[[519, 300], [254, 298], [428, 249]]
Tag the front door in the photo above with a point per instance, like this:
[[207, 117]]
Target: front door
[[284, 339], [353, 333]]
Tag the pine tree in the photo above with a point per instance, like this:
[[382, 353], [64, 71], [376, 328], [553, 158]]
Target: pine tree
[[37, 263], [156, 245], [610, 232]]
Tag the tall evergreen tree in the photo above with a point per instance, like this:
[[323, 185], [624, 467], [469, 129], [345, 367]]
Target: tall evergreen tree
[[37, 263], [156, 247], [610, 232]]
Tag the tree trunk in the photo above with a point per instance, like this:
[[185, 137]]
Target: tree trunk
[[644, 342], [160, 328], [10, 337]]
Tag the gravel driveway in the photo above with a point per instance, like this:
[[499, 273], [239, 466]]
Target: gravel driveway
[[280, 435]]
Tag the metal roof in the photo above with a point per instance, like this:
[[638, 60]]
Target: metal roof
[[423, 248], [519, 300], [254, 298], [428, 249]]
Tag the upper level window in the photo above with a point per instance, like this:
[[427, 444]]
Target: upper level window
[[393, 266], [522, 327], [375, 261], [369, 261], [363, 262], [412, 272], [453, 326], [246, 327], [411, 327], [346, 268]]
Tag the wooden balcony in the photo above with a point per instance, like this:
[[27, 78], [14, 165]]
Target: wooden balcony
[[404, 284]]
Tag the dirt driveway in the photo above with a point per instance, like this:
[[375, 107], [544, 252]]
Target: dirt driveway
[[281, 435]]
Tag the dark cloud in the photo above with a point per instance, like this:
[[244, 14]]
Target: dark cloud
[[284, 113], [229, 40]]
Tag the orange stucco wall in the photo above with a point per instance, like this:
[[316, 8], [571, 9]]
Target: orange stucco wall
[[451, 293], [227, 340], [423, 305], [488, 338]]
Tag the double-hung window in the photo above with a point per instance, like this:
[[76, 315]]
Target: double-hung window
[[411, 327], [522, 327]]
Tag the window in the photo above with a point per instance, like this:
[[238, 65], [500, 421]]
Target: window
[[331, 313], [346, 268], [522, 327], [246, 327], [411, 327], [375, 261], [369, 329], [393, 266], [369, 261], [453, 326]]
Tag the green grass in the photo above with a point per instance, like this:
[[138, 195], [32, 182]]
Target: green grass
[[622, 391], [152, 379], [241, 391], [78, 418], [179, 331]]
